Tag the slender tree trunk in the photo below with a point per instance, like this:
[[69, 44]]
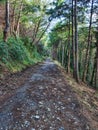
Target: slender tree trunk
[[66, 56], [60, 52], [96, 75], [73, 43], [18, 20], [93, 73], [54, 52], [6, 30], [89, 62], [42, 34], [36, 31], [13, 19], [88, 46], [62, 55], [68, 66], [59, 58], [80, 63], [76, 44]]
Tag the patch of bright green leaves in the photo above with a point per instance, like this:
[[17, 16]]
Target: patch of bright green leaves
[[16, 55]]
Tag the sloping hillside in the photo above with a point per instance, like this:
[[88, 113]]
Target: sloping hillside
[[87, 97]]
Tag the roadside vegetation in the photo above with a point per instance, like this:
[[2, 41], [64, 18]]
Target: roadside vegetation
[[21, 31], [74, 38]]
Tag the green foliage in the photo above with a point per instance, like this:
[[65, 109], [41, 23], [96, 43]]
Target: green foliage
[[58, 34], [4, 54], [17, 50], [58, 42], [16, 55]]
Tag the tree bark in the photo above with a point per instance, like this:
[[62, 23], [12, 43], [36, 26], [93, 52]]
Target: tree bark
[[42, 34], [62, 54], [93, 73], [60, 47], [96, 74], [73, 43], [18, 20], [88, 46], [76, 44], [13, 18], [36, 31], [59, 58], [6, 30], [68, 65], [89, 62]]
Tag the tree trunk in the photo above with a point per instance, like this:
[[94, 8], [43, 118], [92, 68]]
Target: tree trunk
[[88, 46], [76, 44], [42, 34], [80, 63], [13, 19], [54, 52], [62, 55], [93, 73], [68, 65], [96, 74], [18, 20], [73, 43], [36, 31], [6, 30], [60, 48], [89, 62], [59, 58]]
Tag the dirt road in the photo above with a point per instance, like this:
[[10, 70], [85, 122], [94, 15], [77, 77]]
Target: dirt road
[[44, 102]]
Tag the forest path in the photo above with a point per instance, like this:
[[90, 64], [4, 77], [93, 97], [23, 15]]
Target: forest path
[[44, 102]]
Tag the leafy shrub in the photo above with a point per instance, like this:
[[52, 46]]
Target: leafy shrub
[[4, 55], [15, 54], [17, 50]]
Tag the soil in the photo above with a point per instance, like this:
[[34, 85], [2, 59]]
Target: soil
[[40, 98]]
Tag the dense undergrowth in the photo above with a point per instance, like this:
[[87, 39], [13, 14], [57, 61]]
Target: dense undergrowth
[[16, 54]]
